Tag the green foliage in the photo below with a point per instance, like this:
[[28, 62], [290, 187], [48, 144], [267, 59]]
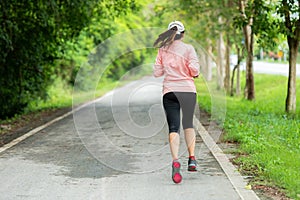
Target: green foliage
[[29, 36], [36, 35], [289, 20], [199, 17], [267, 135], [93, 39], [264, 24]]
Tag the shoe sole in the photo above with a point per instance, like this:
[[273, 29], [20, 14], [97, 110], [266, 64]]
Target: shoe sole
[[192, 169], [176, 175]]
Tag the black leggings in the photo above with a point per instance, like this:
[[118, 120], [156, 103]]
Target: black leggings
[[172, 102]]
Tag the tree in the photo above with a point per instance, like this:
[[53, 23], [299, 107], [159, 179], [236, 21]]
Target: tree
[[31, 34], [290, 11], [229, 32], [255, 19], [114, 18], [249, 36]]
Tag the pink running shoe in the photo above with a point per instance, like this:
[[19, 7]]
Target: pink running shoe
[[176, 175]]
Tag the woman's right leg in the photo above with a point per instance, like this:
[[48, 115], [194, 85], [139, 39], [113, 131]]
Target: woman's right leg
[[188, 101], [190, 139]]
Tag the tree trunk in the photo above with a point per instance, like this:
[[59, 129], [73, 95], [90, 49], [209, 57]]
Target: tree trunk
[[209, 61], [220, 65], [248, 33], [293, 41], [237, 70], [238, 81], [227, 67], [203, 62], [228, 84], [290, 105], [238, 75], [232, 79], [249, 90]]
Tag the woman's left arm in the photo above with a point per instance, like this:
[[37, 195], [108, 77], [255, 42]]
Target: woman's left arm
[[158, 69]]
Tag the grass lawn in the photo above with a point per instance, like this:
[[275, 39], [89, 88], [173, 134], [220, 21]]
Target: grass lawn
[[269, 138], [61, 96]]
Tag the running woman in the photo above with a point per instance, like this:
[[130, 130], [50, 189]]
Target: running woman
[[178, 63]]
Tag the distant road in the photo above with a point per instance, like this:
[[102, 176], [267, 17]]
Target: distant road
[[273, 68], [262, 67]]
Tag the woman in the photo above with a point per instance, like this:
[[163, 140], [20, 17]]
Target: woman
[[179, 64]]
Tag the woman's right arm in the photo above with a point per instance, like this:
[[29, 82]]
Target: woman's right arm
[[158, 67], [193, 63]]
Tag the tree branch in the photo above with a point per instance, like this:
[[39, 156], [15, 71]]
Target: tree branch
[[287, 15]]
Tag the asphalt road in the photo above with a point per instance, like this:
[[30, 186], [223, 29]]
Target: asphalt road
[[262, 67], [114, 148]]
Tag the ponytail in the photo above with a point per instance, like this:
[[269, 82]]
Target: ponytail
[[166, 38]]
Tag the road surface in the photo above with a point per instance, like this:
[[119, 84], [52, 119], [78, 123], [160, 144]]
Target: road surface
[[262, 67], [114, 148]]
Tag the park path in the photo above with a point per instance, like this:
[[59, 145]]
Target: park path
[[113, 148]]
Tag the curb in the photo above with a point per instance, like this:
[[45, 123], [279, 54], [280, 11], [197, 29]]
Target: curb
[[231, 172]]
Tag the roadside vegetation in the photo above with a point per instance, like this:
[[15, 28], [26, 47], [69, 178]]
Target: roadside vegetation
[[268, 138]]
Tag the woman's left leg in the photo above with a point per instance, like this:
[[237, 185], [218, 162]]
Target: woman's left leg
[[174, 141], [172, 110]]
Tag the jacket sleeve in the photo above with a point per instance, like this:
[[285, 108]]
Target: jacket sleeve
[[193, 62], [158, 69]]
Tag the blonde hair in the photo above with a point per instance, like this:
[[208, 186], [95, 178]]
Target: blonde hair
[[166, 38]]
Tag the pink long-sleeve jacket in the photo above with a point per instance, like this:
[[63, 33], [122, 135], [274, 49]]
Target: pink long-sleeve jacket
[[179, 64]]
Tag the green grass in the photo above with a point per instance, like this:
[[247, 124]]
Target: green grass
[[61, 95], [268, 137]]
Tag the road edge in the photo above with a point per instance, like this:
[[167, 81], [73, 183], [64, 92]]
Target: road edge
[[39, 128], [235, 178]]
